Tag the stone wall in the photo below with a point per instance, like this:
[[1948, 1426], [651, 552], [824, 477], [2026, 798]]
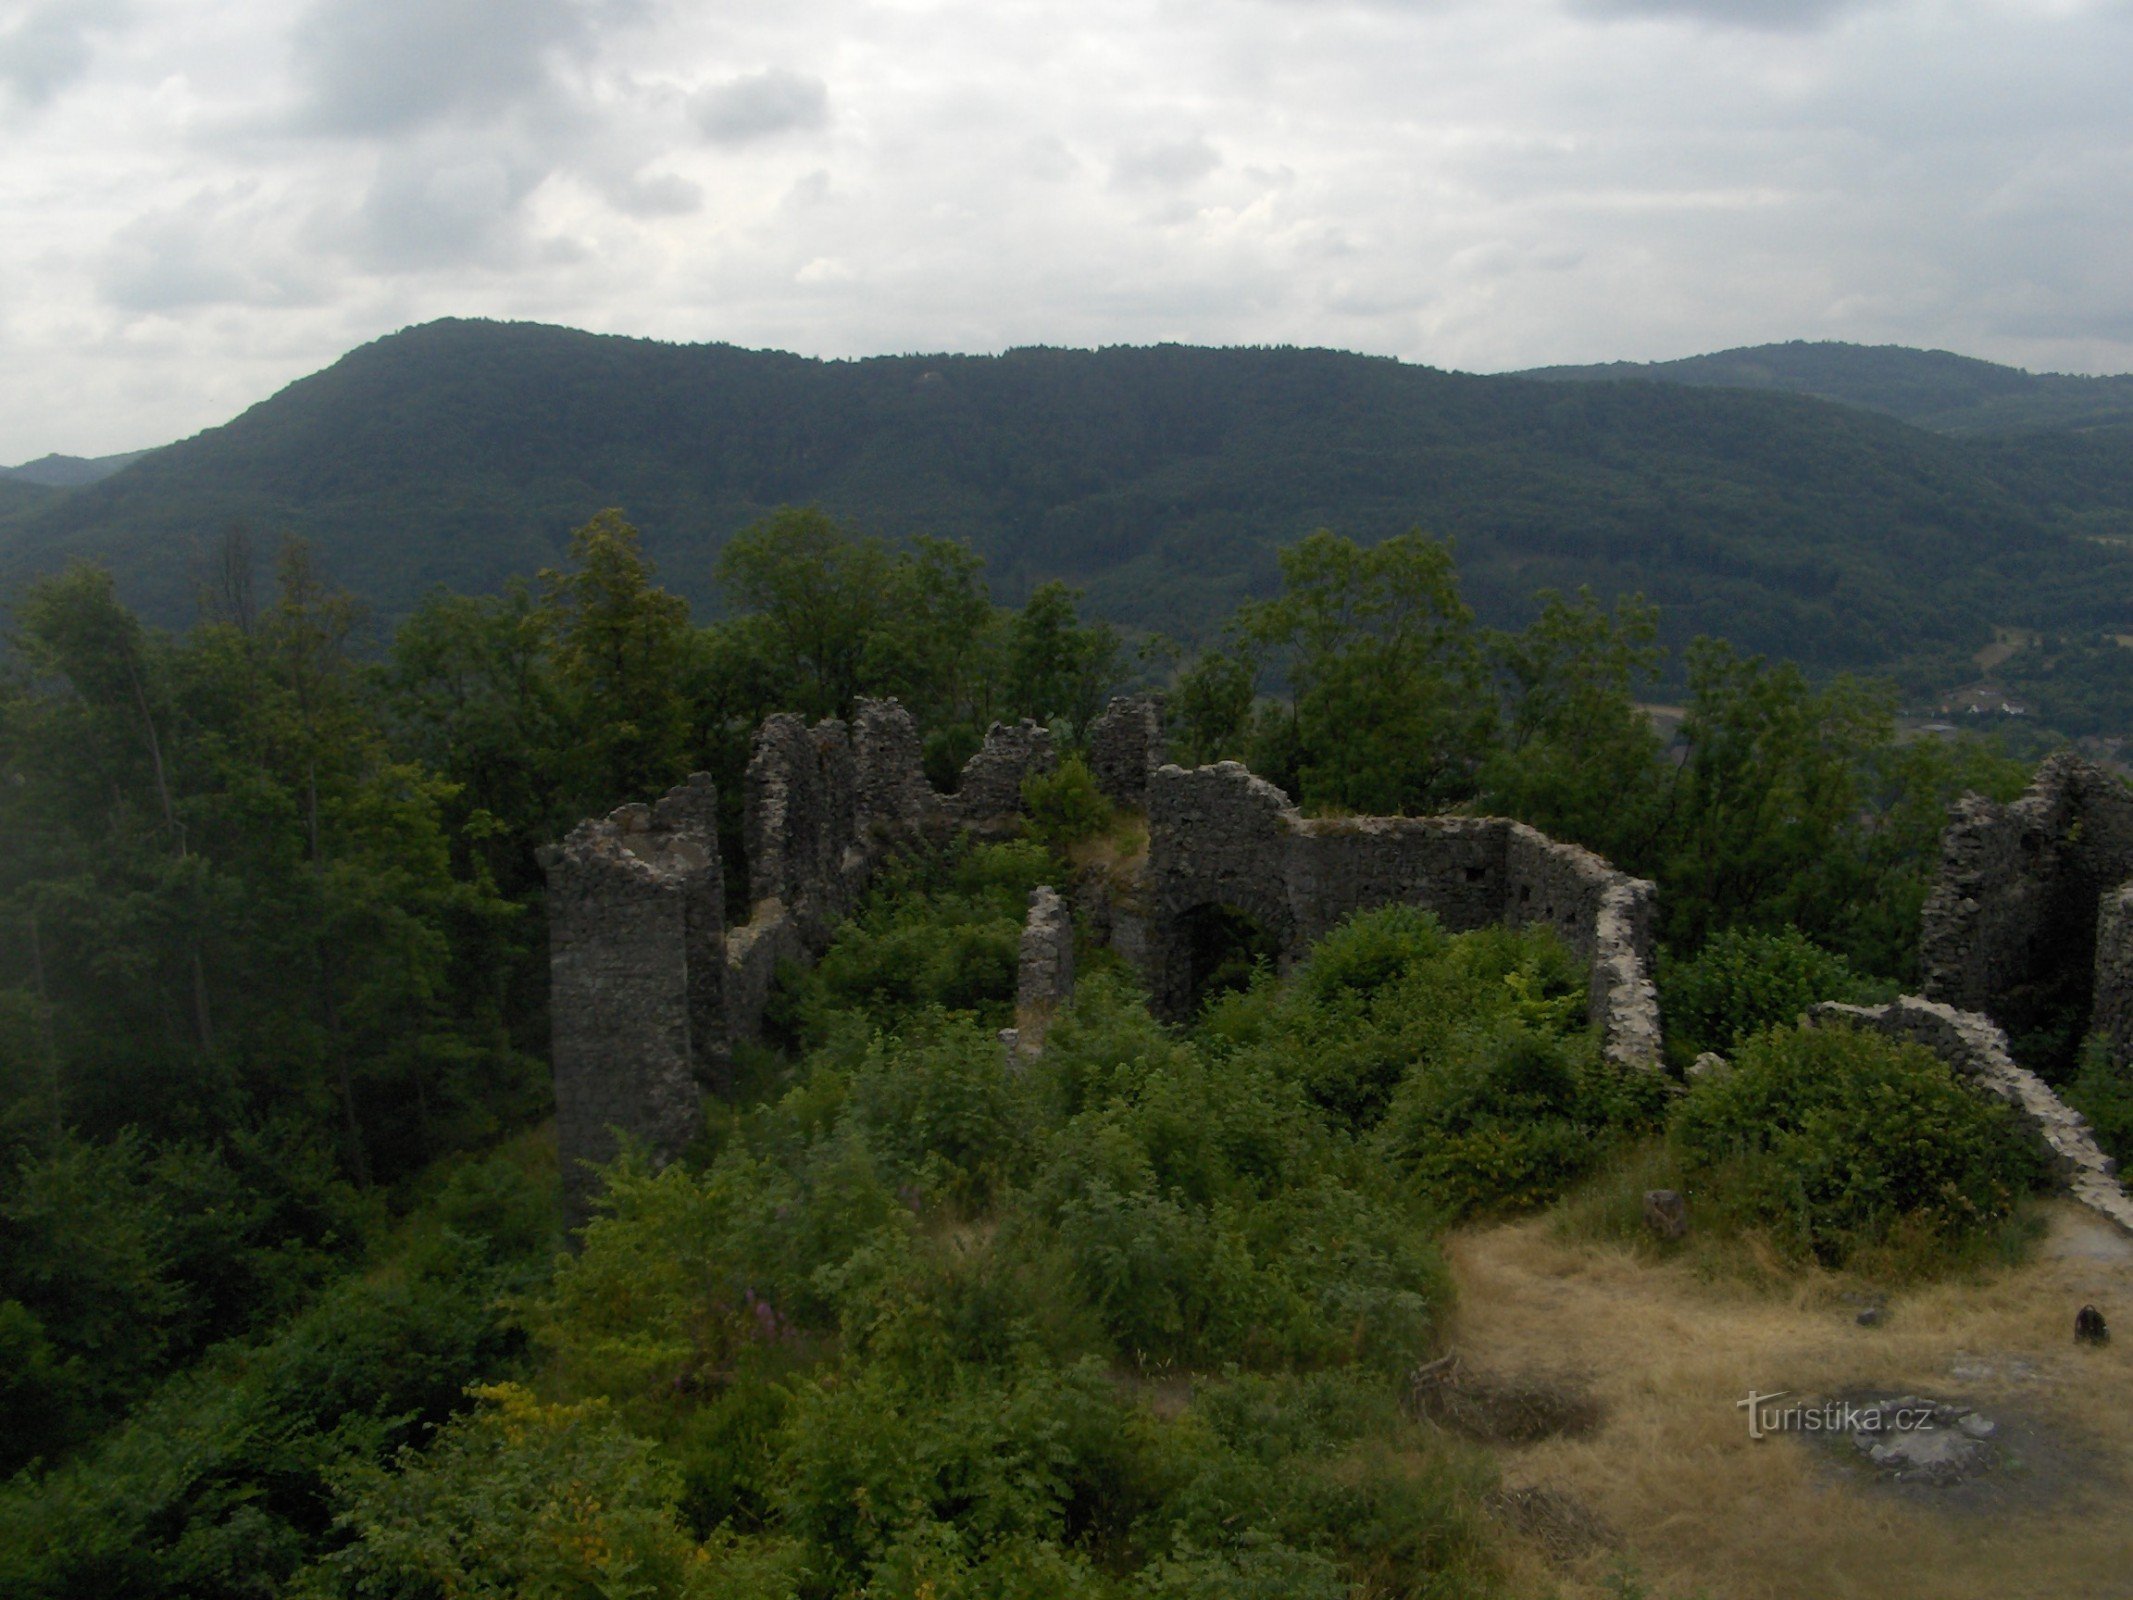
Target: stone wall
[[651, 990], [1044, 971], [988, 796], [1125, 745], [2010, 925], [1219, 837], [2113, 1013], [636, 908], [1975, 1048]]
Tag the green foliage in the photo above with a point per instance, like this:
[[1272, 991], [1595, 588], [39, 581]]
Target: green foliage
[[518, 1500], [1742, 982], [222, 1483], [620, 649], [1064, 807], [1056, 666], [1389, 715], [955, 947], [1210, 708], [2102, 1091], [1839, 1142], [1164, 480], [1578, 757], [1466, 1059], [1514, 1118], [912, 1328]]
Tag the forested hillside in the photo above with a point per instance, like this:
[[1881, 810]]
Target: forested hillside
[[281, 1306], [1929, 388], [1162, 480]]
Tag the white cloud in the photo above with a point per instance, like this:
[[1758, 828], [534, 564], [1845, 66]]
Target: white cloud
[[205, 198]]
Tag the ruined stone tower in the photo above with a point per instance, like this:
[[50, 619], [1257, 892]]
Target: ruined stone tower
[[636, 928]]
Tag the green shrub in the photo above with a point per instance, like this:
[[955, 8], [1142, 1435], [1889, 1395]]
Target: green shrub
[[1513, 1117], [941, 930], [1835, 1141], [522, 1500], [1064, 806], [2102, 1091], [1389, 993], [1742, 981], [936, 1103]]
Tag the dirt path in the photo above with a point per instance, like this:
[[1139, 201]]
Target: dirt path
[[1700, 1508]]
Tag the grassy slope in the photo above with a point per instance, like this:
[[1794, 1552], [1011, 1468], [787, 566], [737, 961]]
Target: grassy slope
[[1163, 479], [1704, 1510]]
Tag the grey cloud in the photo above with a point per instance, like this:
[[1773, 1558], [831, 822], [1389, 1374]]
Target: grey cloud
[[48, 47], [657, 194], [1774, 16], [206, 252], [1170, 165], [431, 210], [382, 66], [760, 104]]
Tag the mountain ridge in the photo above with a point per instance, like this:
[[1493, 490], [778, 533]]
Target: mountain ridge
[[1164, 479], [1934, 389]]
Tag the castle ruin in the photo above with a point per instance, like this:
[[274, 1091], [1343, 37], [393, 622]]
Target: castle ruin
[[2030, 919], [651, 989], [2032, 910]]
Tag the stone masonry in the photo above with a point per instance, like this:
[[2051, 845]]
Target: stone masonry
[[651, 990], [1220, 837], [988, 796], [1125, 745], [1044, 972], [649, 987], [1976, 1049], [2020, 921], [637, 963]]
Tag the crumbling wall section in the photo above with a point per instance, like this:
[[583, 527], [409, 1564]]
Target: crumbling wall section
[[636, 968], [1126, 744], [890, 796], [782, 811], [2113, 1013], [2011, 920], [988, 796], [1341, 865], [1044, 972], [1219, 837], [1976, 1050]]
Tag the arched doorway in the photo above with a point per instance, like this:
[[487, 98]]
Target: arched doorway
[[1218, 949]]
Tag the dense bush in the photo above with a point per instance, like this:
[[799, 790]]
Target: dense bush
[[1468, 1055], [2102, 1091], [1064, 806], [1129, 1320], [1742, 981], [1836, 1141], [222, 1483], [935, 930], [1514, 1116]]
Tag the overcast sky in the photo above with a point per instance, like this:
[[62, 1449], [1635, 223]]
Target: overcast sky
[[201, 200]]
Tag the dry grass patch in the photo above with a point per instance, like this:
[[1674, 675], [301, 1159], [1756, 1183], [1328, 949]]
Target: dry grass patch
[[1668, 1352]]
